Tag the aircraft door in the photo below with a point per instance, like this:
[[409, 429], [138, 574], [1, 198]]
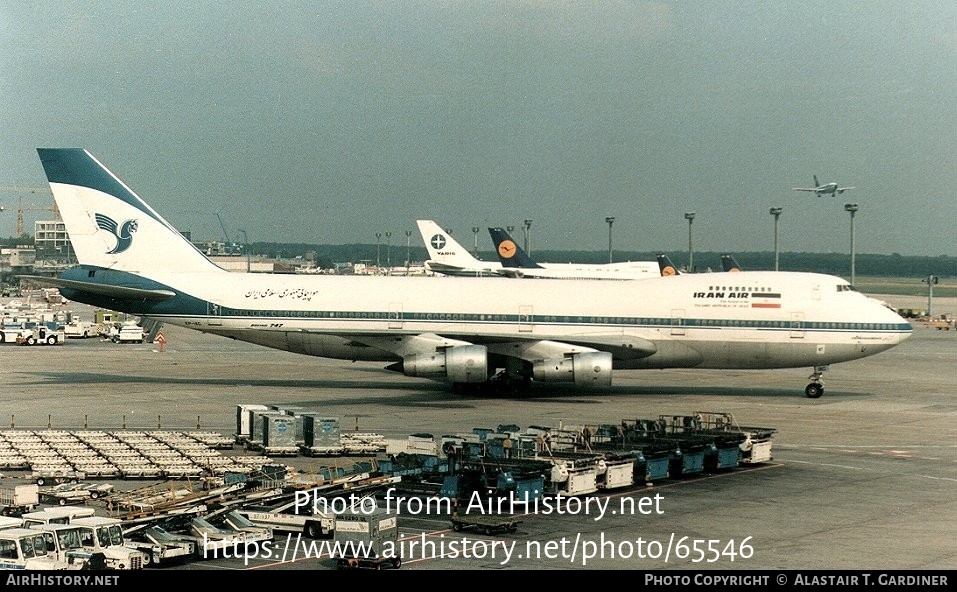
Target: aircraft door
[[796, 330], [678, 321], [395, 315], [213, 318], [525, 316]]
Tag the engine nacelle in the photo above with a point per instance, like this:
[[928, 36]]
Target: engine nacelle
[[586, 369], [462, 363]]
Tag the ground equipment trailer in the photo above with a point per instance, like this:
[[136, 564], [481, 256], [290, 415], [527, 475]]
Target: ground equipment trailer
[[291, 516], [160, 546], [366, 540], [19, 499], [486, 523]]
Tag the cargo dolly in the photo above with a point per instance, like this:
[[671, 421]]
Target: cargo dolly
[[488, 524]]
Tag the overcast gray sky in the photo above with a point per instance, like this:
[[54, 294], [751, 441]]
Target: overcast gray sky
[[326, 122]]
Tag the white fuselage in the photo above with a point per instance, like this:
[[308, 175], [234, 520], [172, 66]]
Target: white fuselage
[[744, 320]]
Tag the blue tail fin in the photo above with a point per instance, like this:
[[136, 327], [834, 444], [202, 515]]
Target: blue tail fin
[[509, 253]]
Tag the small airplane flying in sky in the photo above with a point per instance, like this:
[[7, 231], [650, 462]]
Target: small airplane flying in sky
[[826, 189]]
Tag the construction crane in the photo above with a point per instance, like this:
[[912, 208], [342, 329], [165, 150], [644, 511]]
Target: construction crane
[[20, 191]]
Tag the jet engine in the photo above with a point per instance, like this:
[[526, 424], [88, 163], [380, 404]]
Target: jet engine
[[461, 363], [585, 369]]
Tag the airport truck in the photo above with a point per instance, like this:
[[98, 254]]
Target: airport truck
[[81, 329], [41, 335], [128, 333], [105, 535], [28, 549], [19, 499]]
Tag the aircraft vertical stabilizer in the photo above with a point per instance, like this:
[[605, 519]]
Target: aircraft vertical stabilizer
[[111, 227]]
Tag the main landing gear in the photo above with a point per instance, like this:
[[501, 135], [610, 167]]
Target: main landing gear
[[816, 388]]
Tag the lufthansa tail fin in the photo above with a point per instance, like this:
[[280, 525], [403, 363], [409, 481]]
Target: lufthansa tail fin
[[509, 253], [666, 266], [108, 224]]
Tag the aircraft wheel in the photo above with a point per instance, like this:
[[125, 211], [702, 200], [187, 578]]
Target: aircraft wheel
[[313, 530], [814, 390]]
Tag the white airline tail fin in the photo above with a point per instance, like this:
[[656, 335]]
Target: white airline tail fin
[[444, 249], [108, 224]]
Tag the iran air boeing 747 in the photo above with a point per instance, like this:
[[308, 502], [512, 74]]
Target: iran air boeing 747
[[462, 331]]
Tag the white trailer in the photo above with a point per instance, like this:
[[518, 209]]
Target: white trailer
[[19, 499], [160, 546], [291, 516]]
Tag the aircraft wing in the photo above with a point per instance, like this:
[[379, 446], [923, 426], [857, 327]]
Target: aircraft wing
[[806, 189], [625, 347]]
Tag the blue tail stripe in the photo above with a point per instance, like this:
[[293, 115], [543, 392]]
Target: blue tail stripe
[[74, 166]]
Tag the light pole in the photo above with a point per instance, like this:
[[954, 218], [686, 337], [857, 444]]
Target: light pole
[[852, 208], [776, 212], [610, 220], [528, 224], [689, 216], [408, 250], [930, 280], [378, 236], [388, 250], [475, 230], [246, 248]]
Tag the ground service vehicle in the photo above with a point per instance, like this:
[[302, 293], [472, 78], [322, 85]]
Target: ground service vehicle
[[58, 515], [366, 540], [105, 535], [128, 333], [15, 501], [81, 329], [22, 548], [41, 335], [160, 546], [487, 523], [290, 517], [66, 541]]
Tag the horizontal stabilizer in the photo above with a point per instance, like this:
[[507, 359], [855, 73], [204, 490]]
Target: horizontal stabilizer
[[121, 292]]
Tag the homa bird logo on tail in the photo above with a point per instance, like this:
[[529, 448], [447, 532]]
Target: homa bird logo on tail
[[124, 237]]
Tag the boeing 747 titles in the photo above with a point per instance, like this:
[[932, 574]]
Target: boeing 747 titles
[[462, 331]]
